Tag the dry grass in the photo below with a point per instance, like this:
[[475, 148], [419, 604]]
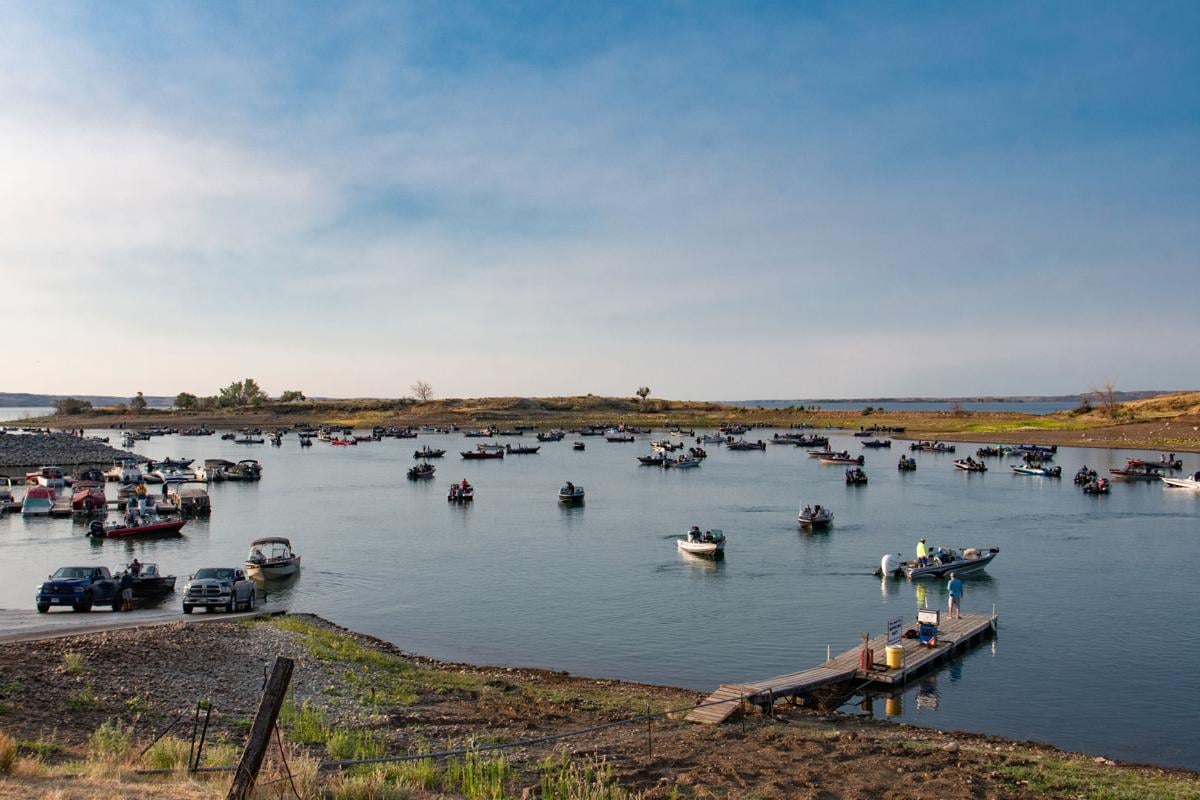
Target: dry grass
[[8, 753]]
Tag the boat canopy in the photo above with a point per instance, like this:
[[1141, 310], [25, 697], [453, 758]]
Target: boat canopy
[[271, 540]]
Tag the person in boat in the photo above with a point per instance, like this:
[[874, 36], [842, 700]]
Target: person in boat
[[693, 534], [464, 485], [922, 553], [708, 537], [570, 488], [808, 512], [135, 568]]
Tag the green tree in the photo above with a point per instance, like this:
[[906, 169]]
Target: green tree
[[69, 406], [138, 404], [252, 394], [291, 396], [231, 395], [185, 401]]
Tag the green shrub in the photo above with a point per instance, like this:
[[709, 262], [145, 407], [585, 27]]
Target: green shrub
[[348, 745], [168, 753], [82, 700], [304, 724], [74, 661], [110, 742]]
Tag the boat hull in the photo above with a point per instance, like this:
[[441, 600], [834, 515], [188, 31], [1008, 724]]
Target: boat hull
[[269, 570], [706, 549], [961, 567]]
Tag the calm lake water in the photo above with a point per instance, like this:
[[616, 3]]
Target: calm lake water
[[1095, 595]]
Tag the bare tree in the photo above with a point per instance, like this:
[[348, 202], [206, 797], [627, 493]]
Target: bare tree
[[422, 391], [643, 392], [1107, 397]]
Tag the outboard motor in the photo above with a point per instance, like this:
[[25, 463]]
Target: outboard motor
[[96, 528], [889, 564]]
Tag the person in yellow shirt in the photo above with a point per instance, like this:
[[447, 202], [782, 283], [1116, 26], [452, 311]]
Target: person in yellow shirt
[[922, 553]]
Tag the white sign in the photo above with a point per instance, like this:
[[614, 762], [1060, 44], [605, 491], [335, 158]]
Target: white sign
[[895, 628]]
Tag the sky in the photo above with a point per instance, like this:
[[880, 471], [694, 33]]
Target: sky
[[715, 200]]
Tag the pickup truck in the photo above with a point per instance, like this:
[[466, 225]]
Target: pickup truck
[[219, 587], [80, 588]]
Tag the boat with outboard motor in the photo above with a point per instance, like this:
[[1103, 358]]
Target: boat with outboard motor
[[1038, 471], [940, 563], [999, 450], [652, 461], [136, 525], [38, 501], [969, 464], [932, 447], [579, 446], [1096, 486], [876, 443], [1183, 483], [522, 450], [841, 458], [148, 581], [460, 492], [1138, 470], [814, 517], [570, 494], [742, 444], [906, 464], [856, 477], [684, 461], [272, 557], [422, 471], [428, 452], [1085, 476], [710, 544], [480, 455]]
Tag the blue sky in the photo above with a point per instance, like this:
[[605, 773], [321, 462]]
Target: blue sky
[[717, 200]]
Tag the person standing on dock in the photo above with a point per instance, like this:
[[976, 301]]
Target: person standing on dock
[[955, 588], [922, 553]]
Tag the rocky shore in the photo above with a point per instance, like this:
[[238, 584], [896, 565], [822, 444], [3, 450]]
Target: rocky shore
[[60, 449], [55, 693]]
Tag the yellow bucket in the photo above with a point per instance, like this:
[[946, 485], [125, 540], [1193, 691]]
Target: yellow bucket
[[895, 656]]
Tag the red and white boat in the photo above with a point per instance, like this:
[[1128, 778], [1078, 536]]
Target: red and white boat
[[123, 531], [88, 498]]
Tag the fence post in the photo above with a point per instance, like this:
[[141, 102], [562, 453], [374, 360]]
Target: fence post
[[260, 732]]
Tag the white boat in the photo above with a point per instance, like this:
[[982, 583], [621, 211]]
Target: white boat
[[570, 493], [174, 474], [1183, 483], [683, 462], [213, 470], [814, 517], [710, 543], [124, 470], [190, 498], [940, 563], [272, 557], [38, 501], [712, 438]]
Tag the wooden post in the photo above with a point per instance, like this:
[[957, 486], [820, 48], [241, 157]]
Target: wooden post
[[260, 733]]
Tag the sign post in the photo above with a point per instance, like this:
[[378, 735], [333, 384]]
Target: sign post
[[895, 628]]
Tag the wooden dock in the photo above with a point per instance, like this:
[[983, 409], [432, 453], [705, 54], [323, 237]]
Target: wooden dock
[[954, 635]]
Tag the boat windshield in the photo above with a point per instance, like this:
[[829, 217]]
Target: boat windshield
[[73, 572], [214, 574]]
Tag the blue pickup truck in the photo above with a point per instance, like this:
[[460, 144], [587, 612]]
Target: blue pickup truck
[[80, 588]]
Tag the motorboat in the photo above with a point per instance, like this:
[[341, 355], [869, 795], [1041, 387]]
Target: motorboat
[[177, 463], [618, 436], [742, 444], [663, 446], [214, 470], [969, 464], [940, 563], [306, 441], [906, 464], [814, 517], [551, 436], [38, 501], [250, 440], [856, 477], [683, 462], [1097, 486], [579, 446], [841, 458], [570, 494], [825, 450], [135, 526], [1040, 471], [479, 455], [461, 492], [681, 432], [343, 442], [697, 452], [1138, 470], [652, 461], [877, 443], [1038, 448], [8, 502], [1183, 483], [124, 469], [998, 450], [428, 452], [421, 471], [50, 477], [490, 447], [1085, 476], [931, 447], [1171, 464], [173, 474], [272, 557], [522, 450], [148, 581], [245, 470], [710, 544], [711, 438], [87, 497], [190, 498]]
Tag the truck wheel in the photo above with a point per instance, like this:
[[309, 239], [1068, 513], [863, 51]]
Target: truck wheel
[[187, 609], [232, 605], [117, 604], [83, 605], [42, 608], [250, 602]]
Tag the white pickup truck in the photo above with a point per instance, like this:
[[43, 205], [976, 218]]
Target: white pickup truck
[[219, 587]]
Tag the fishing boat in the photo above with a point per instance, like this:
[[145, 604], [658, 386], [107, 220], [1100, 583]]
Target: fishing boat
[[225, 437], [428, 452], [877, 443], [1085, 476], [306, 441], [522, 450], [711, 438], [998, 450], [570, 494], [932, 447], [579, 446], [1171, 464], [814, 517], [742, 444], [856, 477], [1044, 472], [38, 501], [1136, 470], [841, 458], [617, 436], [1038, 448], [1097, 486], [491, 447], [461, 492], [250, 440], [683, 462], [710, 544], [480, 455], [171, 463], [1183, 483], [421, 471], [148, 581], [663, 446], [551, 436], [697, 452], [190, 498], [969, 464], [906, 464], [652, 461], [339, 442], [826, 450], [940, 563], [148, 526], [173, 474], [272, 557]]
